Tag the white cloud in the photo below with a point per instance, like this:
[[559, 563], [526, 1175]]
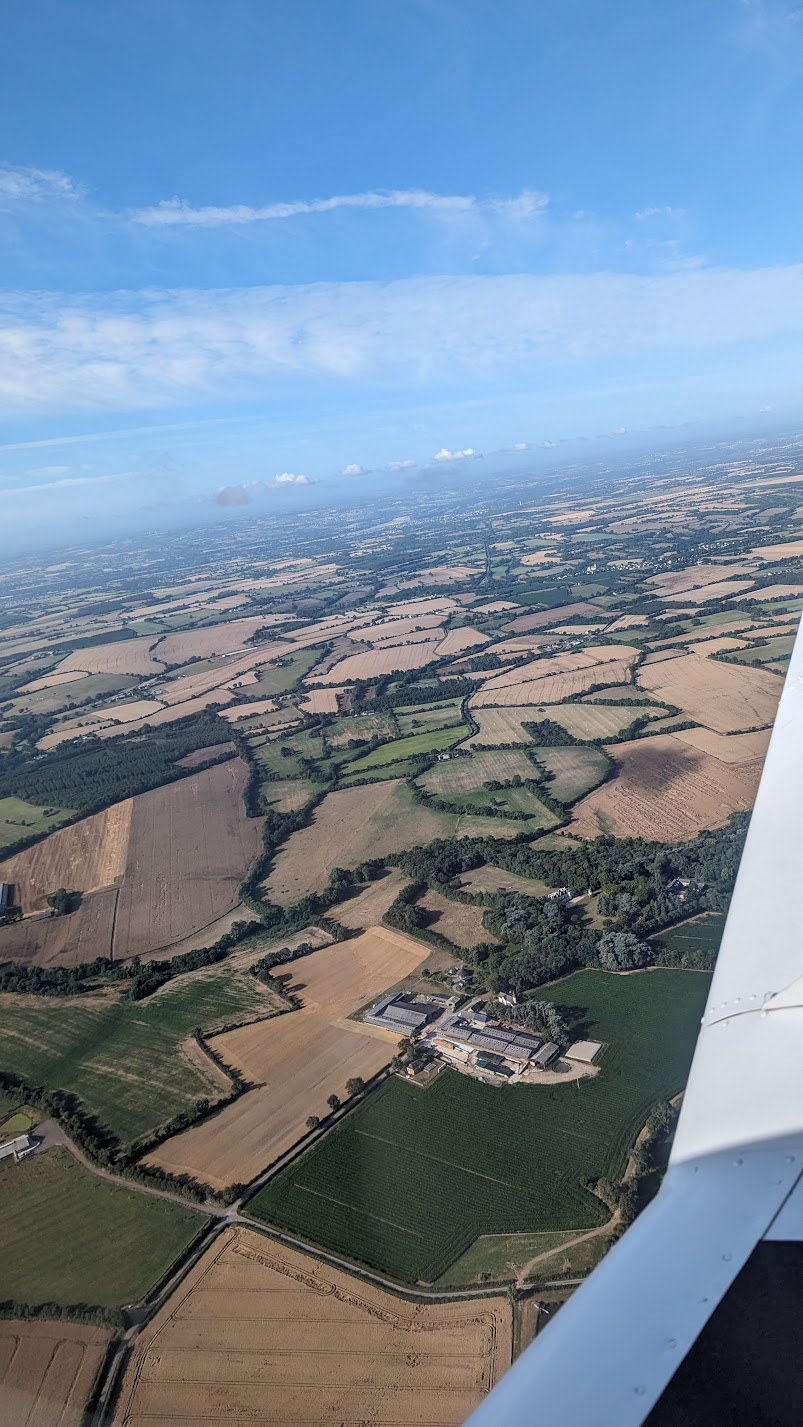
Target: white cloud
[[664, 212], [401, 465], [48, 471], [66, 484], [147, 350], [175, 212], [353, 470], [35, 184], [446, 455], [288, 479], [549, 445], [521, 446]]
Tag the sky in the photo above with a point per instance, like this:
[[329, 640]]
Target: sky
[[259, 256]]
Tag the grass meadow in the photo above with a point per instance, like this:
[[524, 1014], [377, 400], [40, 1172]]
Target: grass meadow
[[410, 1180], [124, 1058], [68, 1237]]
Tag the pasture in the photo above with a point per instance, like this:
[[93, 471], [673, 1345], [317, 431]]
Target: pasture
[[67, 1236], [277, 678], [496, 879], [48, 1369], [421, 718], [19, 819], [430, 741], [599, 721], [296, 1060], [574, 770], [132, 1063], [407, 1182], [276, 1338], [729, 698], [470, 772], [668, 790], [457, 921]]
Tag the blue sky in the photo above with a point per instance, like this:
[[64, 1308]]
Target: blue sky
[[258, 255]]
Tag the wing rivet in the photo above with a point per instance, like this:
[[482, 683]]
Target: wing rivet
[[726, 1258], [640, 1390]]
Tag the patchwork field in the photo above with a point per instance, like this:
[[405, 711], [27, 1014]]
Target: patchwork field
[[725, 697], [47, 1371], [298, 1059], [409, 1180], [574, 770], [469, 772], [728, 748], [64, 941], [261, 1333], [595, 721], [348, 827], [668, 790], [19, 819], [133, 1063], [458, 922], [67, 1236], [88, 855], [418, 718], [128, 656], [369, 906], [189, 848], [535, 684], [377, 662], [496, 879]]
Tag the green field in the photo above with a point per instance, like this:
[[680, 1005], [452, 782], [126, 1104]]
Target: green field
[[420, 718], [19, 819], [68, 1237], [699, 937], [498, 1257], [288, 794], [778, 648], [408, 1181], [401, 748], [574, 770], [122, 1057], [278, 679], [17, 1124]]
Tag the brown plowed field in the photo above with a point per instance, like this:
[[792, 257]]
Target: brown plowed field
[[84, 857], [126, 656], [377, 662], [189, 848], [296, 1060], [726, 697], [257, 1332], [666, 790], [64, 941], [47, 1371]]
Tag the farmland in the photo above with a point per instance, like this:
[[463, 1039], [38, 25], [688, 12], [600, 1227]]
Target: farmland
[[423, 717], [67, 1236], [19, 819], [721, 696], [573, 770], [408, 1181], [470, 772], [593, 721], [376, 662], [496, 879], [298, 1059], [133, 1064], [47, 1371], [668, 790], [88, 855], [417, 743], [458, 922], [276, 1337]]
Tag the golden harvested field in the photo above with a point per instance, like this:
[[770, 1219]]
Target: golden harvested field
[[126, 713], [731, 748], [504, 725], [51, 681], [726, 697], [458, 640], [667, 790], [378, 661], [349, 826], [459, 922], [550, 664], [718, 591], [628, 621], [784, 551], [257, 1332], [553, 688], [465, 774], [428, 604], [368, 908], [674, 582], [589, 721], [547, 617], [774, 592], [47, 1371], [716, 646], [321, 701], [298, 1059], [394, 630], [213, 639], [190, 846], [84, 857], [126, 656], [248, 710], [64, 941], [540, 557], [495, 607]]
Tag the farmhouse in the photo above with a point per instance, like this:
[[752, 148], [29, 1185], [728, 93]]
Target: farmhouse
[[400, 1014]]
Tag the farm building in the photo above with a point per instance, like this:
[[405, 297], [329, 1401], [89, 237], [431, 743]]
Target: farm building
[[584, 1051], [517, 1046], [18, 1147], [545, 1056], [400, 1014], [493, 1064]]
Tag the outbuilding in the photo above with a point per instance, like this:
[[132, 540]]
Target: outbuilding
[[545, 1056]]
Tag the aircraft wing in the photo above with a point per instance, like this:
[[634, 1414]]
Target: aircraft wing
[[732, 1196]]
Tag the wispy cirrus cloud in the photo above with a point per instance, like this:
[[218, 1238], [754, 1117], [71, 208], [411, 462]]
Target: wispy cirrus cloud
[[67, 483], [175, 212], [149, 349], [26, 185]]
